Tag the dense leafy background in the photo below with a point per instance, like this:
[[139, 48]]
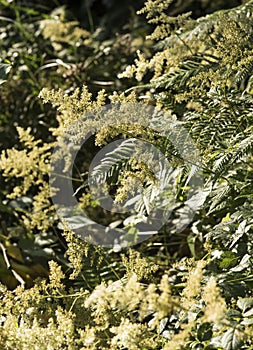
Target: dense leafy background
[[201, 71]]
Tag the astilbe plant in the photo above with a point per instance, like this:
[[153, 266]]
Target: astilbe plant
[[39, 60], [202, 75]]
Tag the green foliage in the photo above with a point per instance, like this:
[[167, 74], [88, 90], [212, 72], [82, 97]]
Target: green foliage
[[71, 56], [4, 70], [176, 290]]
